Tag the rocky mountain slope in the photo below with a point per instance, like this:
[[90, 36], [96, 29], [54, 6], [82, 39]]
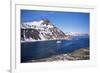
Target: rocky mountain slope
[[41, 30]]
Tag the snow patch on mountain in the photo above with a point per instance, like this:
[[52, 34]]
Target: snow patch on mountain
[[41, 30]]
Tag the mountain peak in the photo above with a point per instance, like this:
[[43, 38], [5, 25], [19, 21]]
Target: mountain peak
[[41, 30]]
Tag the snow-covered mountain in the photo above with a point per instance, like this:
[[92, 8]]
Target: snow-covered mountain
[[41, 30], [76, 34]]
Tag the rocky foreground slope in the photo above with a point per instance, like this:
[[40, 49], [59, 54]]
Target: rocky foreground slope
[[80, 54]]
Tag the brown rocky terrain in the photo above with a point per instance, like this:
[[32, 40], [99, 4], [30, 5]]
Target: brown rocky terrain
[[80, 54]]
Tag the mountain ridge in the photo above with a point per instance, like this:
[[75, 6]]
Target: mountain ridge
[[41, 30]]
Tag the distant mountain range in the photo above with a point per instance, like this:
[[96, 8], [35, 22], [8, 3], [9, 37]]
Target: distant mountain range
[[76, 34], [41, 30]]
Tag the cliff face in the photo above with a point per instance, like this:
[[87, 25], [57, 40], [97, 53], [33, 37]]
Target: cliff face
[[41, 30]]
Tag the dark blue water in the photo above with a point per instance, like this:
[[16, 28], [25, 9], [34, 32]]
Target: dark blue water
[[43, 49]]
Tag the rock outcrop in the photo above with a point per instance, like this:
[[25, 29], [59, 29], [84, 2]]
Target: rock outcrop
[[41, 30]]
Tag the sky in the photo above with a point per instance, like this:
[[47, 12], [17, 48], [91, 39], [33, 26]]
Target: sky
[[66, 21]]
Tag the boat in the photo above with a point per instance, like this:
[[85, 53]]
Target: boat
[[59, 42]]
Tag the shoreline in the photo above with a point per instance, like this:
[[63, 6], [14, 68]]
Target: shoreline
[[80, 54], [43, 40], [27, 41]]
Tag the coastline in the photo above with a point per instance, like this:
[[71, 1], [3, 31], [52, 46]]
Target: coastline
[[79, 54], [44, 40]]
